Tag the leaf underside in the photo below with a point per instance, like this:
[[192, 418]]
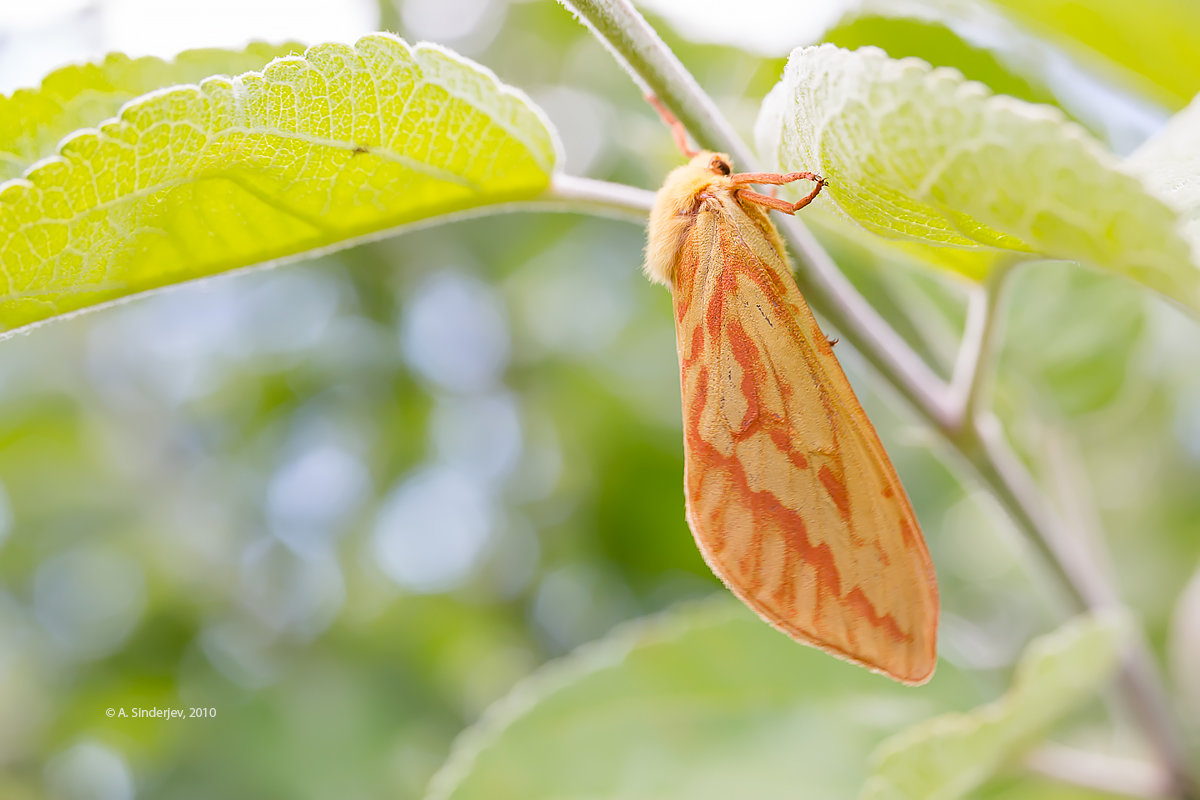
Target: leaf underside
[[942, 168], [32, 121], [1170, 162], [1006, 60], [312, 152]]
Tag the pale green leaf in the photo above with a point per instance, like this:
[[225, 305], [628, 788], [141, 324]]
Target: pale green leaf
[[314, 152], [1169, 163], [703, 703], [1150, 45], [1099, 337], [32, 121], [941, 166], [1030, 787], [986, 45], [950, 33], [946, 757]]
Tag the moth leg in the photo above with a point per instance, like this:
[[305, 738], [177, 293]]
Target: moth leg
[[677, 129], [767, 201], [775, 178]]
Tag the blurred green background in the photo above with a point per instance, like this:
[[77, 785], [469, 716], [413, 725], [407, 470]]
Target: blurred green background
[[348, 503]]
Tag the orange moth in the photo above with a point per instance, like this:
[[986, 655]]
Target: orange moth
[[789, 492]]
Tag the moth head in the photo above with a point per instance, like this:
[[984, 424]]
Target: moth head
[[716, 163], [675, 208]]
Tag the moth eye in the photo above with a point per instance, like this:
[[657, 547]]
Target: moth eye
[[720, 166]]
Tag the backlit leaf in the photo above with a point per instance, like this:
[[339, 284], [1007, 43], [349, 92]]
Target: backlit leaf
[[942, 167], [1170, 164], [33, 120], [936, 30], [313, 152]]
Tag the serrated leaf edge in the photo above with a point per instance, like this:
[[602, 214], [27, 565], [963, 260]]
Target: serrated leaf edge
[[894, 70], [29, 177]]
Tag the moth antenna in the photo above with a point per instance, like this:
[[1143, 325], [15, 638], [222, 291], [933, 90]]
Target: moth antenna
[[677, 129]]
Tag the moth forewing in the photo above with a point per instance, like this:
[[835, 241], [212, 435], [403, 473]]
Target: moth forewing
[[790, 495]]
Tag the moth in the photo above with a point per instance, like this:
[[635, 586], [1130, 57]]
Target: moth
[[789, 493]]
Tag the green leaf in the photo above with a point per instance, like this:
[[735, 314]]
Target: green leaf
[[1068, 359], [1149, 45], [32, 121], [941, 167], [313, 152], [946, 757], [935, 30], [1169, 163], [703, 702], [1030, 787], [988, 46]]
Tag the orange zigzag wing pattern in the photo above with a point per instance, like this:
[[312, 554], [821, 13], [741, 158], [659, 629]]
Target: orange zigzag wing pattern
[[790, 494]]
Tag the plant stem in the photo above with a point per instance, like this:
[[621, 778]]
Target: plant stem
[[1085, 585], [600, 197], [967, 428], [656, 70], [971, 380]]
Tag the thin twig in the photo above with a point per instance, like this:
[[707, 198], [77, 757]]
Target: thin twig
[[969, 365], [655, 69], [971, 380], [978, 438]]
